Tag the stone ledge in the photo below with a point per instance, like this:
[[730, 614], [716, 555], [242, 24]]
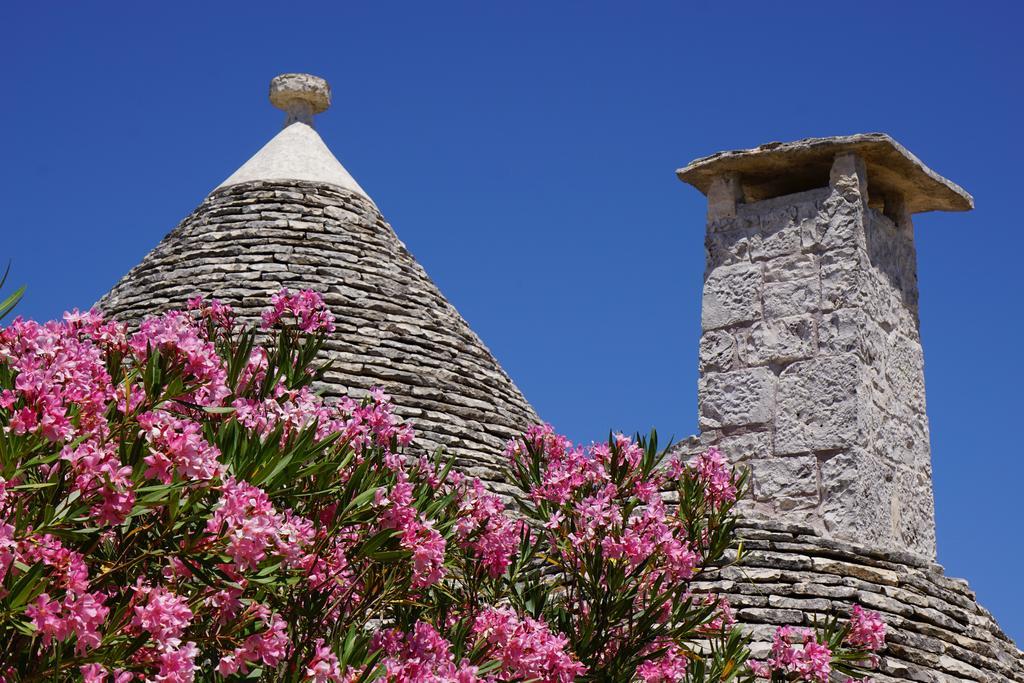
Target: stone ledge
[[781, 168]]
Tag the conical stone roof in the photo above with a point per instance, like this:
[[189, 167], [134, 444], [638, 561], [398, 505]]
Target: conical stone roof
[[292, 216]]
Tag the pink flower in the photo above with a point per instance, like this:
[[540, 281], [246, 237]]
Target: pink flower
[[181, 341], [178, 446], [78, 616], [60, 370], [70, 570], [247, 521], [867, 630], [93, 673], [99, 475], [485, 530], [306, 307], [323, 668], [811, 662], [164, 614], [427, 547], [713, 471], [420, 656], [177, 665], [526, 648], [268, 647], [222, 315], [668, 668]]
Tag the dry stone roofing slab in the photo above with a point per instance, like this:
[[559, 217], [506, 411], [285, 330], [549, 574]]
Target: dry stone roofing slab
[[293, 217], [780, 168]]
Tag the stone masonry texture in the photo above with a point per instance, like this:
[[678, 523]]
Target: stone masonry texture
[[394, 328], [811, 361]]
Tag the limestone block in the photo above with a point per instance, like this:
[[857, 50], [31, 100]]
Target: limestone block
[[857, 497], [903, 438], [914, 511], [839, 225], [729, 245], [778, 340], [717, 351], [883, 302], [791, 267], [905, 370], [787, 483], [796, 297], [840, 283], [739, 448], [891, 251], [779, 235], [843, 331], [850, 330], [819, 405], [732, 294], [781, 617], [723, 195], [736, 398], [849, 177]]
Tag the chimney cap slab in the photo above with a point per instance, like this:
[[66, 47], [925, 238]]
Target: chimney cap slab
[[779, 168]]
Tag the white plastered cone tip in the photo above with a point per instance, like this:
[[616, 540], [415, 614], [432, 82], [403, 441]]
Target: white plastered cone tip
[[297, 152]]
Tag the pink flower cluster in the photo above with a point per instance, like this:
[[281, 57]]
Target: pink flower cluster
[[176, 335], [78, 616], [247, 523], [867, 630], [268, 647], [799, 655], [486, 531], [668, 668], [418, 535], [714, 472], [590, 509], [165, 615], [811, 661], [526, 647], [177, 446], [306, 307], [215, 311], [324, 667], [81, 612], [421, 656], [116, 439], [100, 476], [62, 385]]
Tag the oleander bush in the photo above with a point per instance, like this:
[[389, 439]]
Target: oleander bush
[[178, 503]]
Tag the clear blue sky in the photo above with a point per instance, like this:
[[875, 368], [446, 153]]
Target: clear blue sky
[[525, 153]]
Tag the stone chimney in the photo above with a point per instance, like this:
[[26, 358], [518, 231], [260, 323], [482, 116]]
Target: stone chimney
[[810, 359]]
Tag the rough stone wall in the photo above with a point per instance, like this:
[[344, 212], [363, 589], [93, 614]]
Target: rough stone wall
[[937, 631], [394, 328], [810, 359]]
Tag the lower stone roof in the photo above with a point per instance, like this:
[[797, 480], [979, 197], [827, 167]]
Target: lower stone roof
[[937, 630]]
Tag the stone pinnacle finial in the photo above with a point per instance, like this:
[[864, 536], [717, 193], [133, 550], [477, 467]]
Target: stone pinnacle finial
[[300, 96]]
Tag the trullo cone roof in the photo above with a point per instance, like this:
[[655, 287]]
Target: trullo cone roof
[[292, 216]]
